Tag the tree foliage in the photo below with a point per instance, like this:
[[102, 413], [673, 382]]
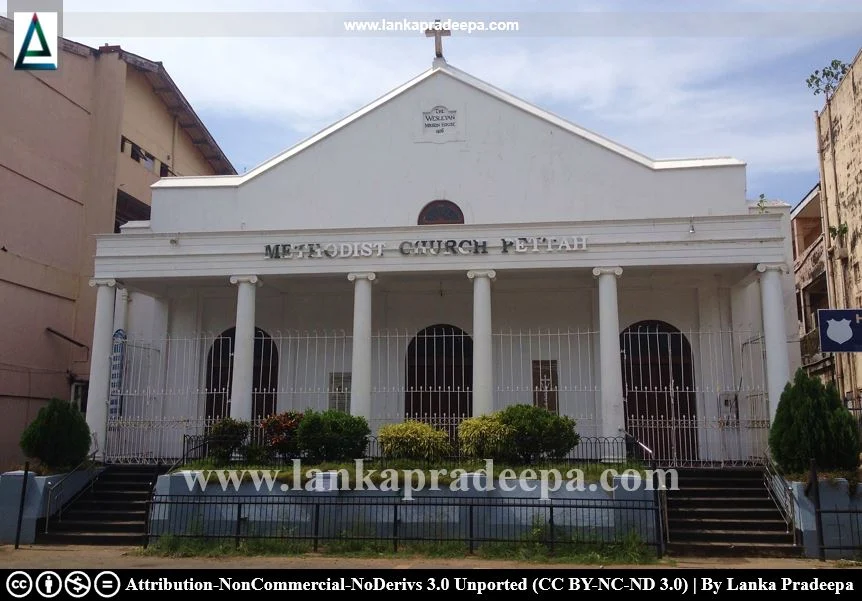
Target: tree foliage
[[825, 81], [59, 436], [811, 422]]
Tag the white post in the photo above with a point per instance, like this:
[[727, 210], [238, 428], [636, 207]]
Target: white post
[[100, 363], [360, 383], [612, 415], [774, 333], [241, 400], [483, 367]]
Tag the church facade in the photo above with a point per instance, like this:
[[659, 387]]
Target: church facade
[[444, 252]]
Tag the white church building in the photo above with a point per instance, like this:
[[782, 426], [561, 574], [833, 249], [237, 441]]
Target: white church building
[[444, 252]]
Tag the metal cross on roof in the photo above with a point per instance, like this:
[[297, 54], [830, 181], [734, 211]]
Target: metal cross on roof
[[438, 33]]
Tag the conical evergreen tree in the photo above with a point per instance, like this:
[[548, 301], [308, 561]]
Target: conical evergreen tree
[[811, 422]]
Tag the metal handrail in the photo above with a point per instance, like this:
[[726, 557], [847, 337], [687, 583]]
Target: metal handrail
[[55, 488], [639, 443], [782, 496]]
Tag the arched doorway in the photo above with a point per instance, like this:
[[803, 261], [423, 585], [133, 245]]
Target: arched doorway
[[219, 374], [439, 377], [658, 387]]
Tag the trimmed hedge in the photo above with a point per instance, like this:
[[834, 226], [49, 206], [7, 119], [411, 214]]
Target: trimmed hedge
[[484, 437], [536, 433], [59, 436], [226, 437], [332, 435], [413, 440]]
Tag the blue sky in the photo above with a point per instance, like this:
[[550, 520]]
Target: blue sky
[[727, 80]]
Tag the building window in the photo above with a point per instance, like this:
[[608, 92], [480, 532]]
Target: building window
[[339, 391], [138, 154], [545, 384], [79, 395], [439, 212]]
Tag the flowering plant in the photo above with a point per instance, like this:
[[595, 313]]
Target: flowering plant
[[279, 431]]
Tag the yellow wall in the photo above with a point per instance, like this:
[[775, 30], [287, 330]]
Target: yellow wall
[[841, 187], [147, 123], [189, 161]]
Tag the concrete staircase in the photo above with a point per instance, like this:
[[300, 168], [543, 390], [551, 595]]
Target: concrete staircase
[[113, 512], [726, 512]]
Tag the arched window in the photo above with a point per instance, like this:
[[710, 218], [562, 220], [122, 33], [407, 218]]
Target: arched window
[[438, 212]]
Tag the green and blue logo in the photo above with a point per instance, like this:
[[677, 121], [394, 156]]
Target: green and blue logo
[[35, 38]]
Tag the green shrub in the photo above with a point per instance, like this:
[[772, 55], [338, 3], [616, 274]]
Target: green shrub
[[332, 435], [812, 423], [536, 433], [59, 436], [257, 454], [279, 432], [225, 437], [413, 440], [484, 437]]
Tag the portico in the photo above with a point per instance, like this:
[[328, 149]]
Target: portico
[[545, 265]]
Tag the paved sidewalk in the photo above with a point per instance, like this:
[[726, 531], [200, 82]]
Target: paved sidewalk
[[74, 556]]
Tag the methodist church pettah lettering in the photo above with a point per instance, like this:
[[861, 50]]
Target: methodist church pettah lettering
[[516, 245]]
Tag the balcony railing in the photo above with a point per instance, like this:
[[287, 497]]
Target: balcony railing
[[811, 263]]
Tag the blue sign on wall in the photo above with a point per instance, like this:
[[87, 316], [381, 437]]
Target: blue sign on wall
[[840, 330]]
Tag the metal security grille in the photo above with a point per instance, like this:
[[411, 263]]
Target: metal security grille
[[695, 397]]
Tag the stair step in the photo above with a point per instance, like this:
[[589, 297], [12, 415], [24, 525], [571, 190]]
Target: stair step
[[680, 524], [689, 502], [91, 538], [716, 492], [106, 526], [123, 483], [721, 549], [724, 513], [77, 513], [97, 504], [731, 536], [131, 495]]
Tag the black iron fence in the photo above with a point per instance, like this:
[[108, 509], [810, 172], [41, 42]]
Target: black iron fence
[[315, 521], [244, 453]]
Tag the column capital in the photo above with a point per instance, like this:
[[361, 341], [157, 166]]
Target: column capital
[[617, 271], [482, 273], [764, 267], [246, 279], [110, 282], [362, 275]]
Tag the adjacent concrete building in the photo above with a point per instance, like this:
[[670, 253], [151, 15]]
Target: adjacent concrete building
[[839, 136], [79, 149]]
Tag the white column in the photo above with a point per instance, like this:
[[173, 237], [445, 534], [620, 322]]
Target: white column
[[483, 367], [241, 403], [611, 382], [100, 363], [360, 383], [121, 310], [774, 333]]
